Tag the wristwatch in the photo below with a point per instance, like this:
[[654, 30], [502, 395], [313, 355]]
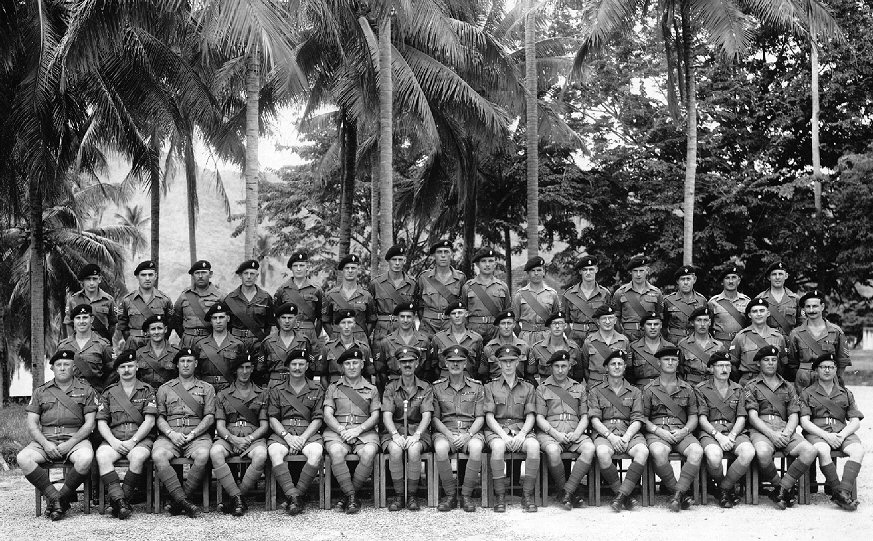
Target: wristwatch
[[283, 434], [713, 433]]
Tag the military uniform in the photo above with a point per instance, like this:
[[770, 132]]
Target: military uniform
[[695, 358], [274, 353], [250, 320], [458, 408], [93, 361], [774, 415], [103, 309], [386, 295], [308, 299], [631, 305], [227, 409], [436, 363], [328, 367], [216, 363], [433, 296], [746, 344], [677, 310], [532, 309], [603, 404], [296, 411], [829, 412], [348, 412], [489, 368], [656, 409], [596, 349], [728, 315], [154, 369], [385, 364], [563, 406], [190, 311], [803, 348], [57, 423], [644, 366], [722, 412], [510, 405], [133, 310], [484, 302], [785, 314], [580, 310], [419, 402], [360, 301], [540, 352], [113, 410]]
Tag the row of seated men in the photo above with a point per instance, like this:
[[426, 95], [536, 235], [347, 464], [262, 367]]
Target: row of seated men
[[190, 417]]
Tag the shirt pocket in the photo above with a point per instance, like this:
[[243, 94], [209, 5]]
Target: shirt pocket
[[682, 401], [627, 401]]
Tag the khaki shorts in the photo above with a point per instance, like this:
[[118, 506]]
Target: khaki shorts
[[262, 443], [852, 438], [757, 437], [680, 447], [203, 442], [84, 444], [706, 440], [546, 440], [146, 443], [426, 441], [440, 437], [638, 439]]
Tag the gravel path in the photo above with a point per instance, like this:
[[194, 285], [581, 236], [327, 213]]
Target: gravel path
[[821, 520]]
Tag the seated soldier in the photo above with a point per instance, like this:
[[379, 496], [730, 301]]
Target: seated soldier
[[407, 408], [615, 408], [670, 411], [774, 408], [240, 430], [351, 414], [125, 418], [186, 411], [60, 417], [457, 422], [154, 360], [510, 408], [505, 335], [329, 366], [721, 406], [294, 408], [562, 417], [554, 340], [272, 361], [830, 420]]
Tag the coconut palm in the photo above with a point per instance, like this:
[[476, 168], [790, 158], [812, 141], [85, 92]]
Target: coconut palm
[[133, 217]]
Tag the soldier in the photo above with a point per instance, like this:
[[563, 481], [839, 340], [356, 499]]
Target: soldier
[[485, 295], [600, 345], [349, 295], [750, 340], [351, 414], [489, 368], [186, 411], [102, 303], [562, 417], [456, 335], [458, 419], [534, 302], [60, 417], [191, 306], [556, 340], [404, 335], [303, 294], [722, 427], [93, 353], [645, 365], [615, 408], [294, 407], [774, 407], [218, 352], [510, 413], [670, 412], [407, 408], [636, 298], [784, 312], [126, 419], [390, 290], [583, 299], [679, 305], [830, 419], [330, 367], [698, 347], [141, 304], [813, 338], [154, 360], [272, 361], [240, 430], [728, 307], [250, 308], [438, 287]]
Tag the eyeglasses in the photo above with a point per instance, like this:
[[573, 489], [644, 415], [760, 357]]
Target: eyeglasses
[[827, 367]]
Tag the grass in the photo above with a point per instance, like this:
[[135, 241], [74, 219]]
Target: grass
[[13, 432]]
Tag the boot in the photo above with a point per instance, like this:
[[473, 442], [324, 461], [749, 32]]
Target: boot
[[340, 505], [783, 499], [725, 499], [121, 509], [500, 503], [675, 502], [295, 506], [237, 505], [53, 509], [844, 500], [686, 501], [567, 501], [618, 503], [527, 502], [447, 504], [396, 504], [412, 504], [354, 504], [630, 502], [468, 504], [737, 494], [188, 508]]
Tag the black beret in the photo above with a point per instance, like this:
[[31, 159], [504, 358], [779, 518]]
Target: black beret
[[718, 356], [587, 261], [298, 353], [617, 354], [404, 307], [635, 262], [406, 353], [604, 310], [145, 265], [485, 252], [286, 308], [88, 271], [184, 352], [814, 294], [126, 356], [559, 355], [349, 259], [777, 266], [395, 251], [154, 318], [668, 351], [506, 314], [731, 269], [455, 353], [699, 312], [686, 270], [452, 306], [650, 316], [507, 352], [201, 265], [822, 358], [349, 354], [217, 308], [81, 310], [557, 315], [251, 264], [340, 315], [766, 351], [441, 244], [756, 302], [297, 257], [241, 360], [534, 263], [62, 354]]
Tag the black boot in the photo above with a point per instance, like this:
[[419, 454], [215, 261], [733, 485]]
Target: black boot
[[686, 501], [447, 504], [468, 504], [341, 505], [120, 508], [567, 501], [412, 504], [618, 503], [500, 503], [844, 499], [238, 506], [53, 509], [675, 502], [527, 502], [783, 499], [295, 507], [630, 502], [397, 503], [188, 508], [725, 499], [354, 504]]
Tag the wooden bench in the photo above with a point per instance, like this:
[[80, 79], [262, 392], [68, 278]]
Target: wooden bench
[[428, 474], [64, 467]]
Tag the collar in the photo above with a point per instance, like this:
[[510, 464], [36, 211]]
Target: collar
[[551, 381], [362, 383], [239, 294], [819, 390]]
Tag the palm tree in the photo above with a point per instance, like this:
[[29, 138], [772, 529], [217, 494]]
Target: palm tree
[[531, 119], [386, 142], [262, 255], [135, 218]]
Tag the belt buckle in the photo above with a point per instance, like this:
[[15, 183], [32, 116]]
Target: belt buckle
[[240, 423], [58, 430], [829, 420]]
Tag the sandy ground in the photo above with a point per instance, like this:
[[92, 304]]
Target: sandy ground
[[821, 520]]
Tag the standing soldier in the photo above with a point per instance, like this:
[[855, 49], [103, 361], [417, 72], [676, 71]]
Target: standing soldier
[[698, 347], [93, 354], [330, 368], [390, 290], [562, 417], [489, 368], [240, 430], [351, 414], [404, 335], [125, 418], [615, 408], [186, 411], [728, 307], [218, 352], [250, 308], [670, 412], [141, 304], [583, 299], [813, 338], [303, 294], [534, 302], [556, 340], [102, 303], [510, 414], [437, 288], [272, 360], [294, 408], [750, 340], [784, 312], [679, 305], [60, 417], [456, 335], [600, 345], [154, 360], [458, 419], [191, 306], [349, 295], [636, 298], [645, 365], [485, 295]]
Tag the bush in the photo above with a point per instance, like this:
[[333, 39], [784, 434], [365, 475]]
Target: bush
[[13, 432]]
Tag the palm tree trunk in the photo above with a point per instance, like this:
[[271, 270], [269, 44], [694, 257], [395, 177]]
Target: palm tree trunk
[[349, 144], [253, 88], [669, 54], [386, 141], [507, 249], [816, 150], [191, 184], [472, 190], [691, 142], [530, 70], [374, 222], [4, 356], [155, 194], [37, 285]]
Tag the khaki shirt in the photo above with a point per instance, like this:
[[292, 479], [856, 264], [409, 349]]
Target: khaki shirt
[[103, 309], [652, 300], [600, 407], [654, 409], [525, 314], [724, 326], [692, 368], [801, 355], [811, 406], [380, 291], [54, 414], [172, 407], [497, 291], [421, 401], [186, 318], [787, 307], [343, 406], [153, 369], [430, 302], [386, 364], [327, 365], [735, 401], [437, 363], [237, 424], [458, 408], [130, 318], [510, 405], [271, 361], [120, 422], [95, 356], [489, 367], [676, 324], [280, 402], [308, 299], [229, 351], [756, 401], [593, 360], [360, 301], [562, 416], [642, 370], [580, 324], [259, 310], [743, 348], [541, 352]]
